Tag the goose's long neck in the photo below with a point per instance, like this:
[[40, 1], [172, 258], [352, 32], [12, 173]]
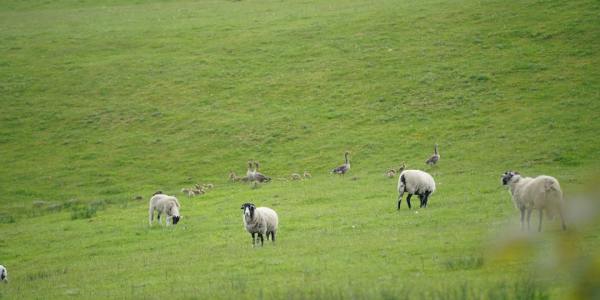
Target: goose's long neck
[[435, 149], [346, 156]]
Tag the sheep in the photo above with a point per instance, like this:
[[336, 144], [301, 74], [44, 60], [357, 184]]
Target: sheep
[[164, 204], [541, 193], [415, 182], [3, 274], [261, 221], [307, 175], [295, 176]]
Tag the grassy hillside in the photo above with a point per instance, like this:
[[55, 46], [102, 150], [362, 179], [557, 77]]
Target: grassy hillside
[[106, 101]]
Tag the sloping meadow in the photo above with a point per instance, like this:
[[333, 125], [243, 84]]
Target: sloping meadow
[[106, 103]]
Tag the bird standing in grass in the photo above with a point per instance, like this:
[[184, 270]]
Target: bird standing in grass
[[435, 157], [250, 172], [343, 169], [258, 176]]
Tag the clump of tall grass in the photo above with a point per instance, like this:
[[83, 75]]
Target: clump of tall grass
[[463, 263], [7, 219], [83, 212]]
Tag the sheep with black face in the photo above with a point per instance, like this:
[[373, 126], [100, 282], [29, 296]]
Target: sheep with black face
[[261, 221], [3, 274], [415, 182], [164, 205]]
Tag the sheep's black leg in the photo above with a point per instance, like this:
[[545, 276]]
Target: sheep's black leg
[[541, 216], [273, 236], [261, 239], [426, 199], [408, 200], [399, 201], [421, 197], [253, 239], [522, 218]]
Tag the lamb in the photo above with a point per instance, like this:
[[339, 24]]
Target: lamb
[[307, 174], [3, 274], [415, 182], [164, 204], [261, 221], [295, 176], [541, 193]]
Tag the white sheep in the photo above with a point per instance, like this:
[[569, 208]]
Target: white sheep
[[3, 274], [261, 220], [541, 193], [415, 182], [164, 204]]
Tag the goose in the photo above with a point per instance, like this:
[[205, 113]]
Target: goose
[[435, 157], [259, 176], [250, 173], [343, 168]]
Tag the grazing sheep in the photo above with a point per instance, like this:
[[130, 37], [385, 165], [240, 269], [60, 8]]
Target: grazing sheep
[[261, 221], [435, 157], [167, 205], [208, 186], [3, 274], [541, 193], [307, 174], [343, 168], [415, 182], [295, 176]]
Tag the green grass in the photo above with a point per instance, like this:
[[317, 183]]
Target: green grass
[[104, 101]]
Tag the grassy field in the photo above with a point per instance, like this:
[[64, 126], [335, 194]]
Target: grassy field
[[105, 101]]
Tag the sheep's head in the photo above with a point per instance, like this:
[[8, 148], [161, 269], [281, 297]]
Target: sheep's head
[[157, 193], [509, 176], [176, 219], [248, 209], [174, 211]]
